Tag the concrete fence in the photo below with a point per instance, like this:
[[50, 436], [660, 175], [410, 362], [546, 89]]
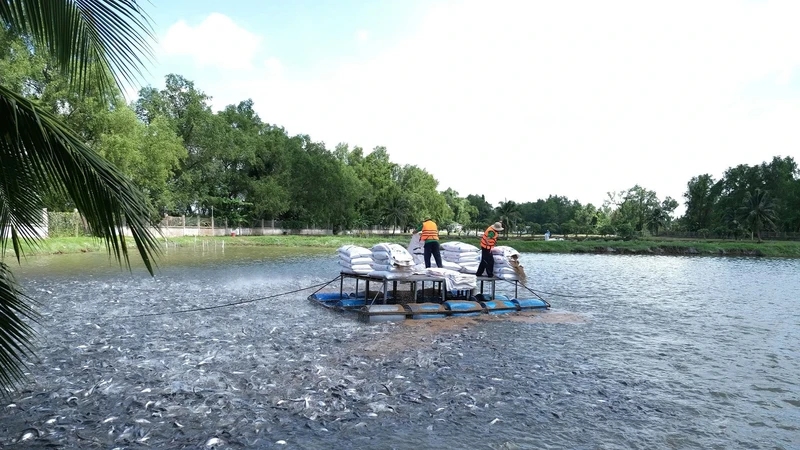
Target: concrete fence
[[172, 231], [180, 226], [72, 224], [41, 229]]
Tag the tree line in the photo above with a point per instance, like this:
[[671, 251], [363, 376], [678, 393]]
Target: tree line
[[746, 200], [190, 160]]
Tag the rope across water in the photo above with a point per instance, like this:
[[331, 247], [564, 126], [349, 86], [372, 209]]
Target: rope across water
[[226, 305]]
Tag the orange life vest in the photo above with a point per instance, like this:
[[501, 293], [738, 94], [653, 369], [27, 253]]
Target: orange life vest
[[429, 231], [486, 241]]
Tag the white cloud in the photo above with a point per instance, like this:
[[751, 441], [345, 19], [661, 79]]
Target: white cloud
[[215, 42], [273, 66], [362, 35], [519, 100]]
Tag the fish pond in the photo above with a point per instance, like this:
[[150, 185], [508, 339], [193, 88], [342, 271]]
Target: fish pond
[[637, 352]]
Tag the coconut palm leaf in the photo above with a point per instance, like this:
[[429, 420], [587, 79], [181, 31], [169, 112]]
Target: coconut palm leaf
[[396, 211], [15, 333], [37, 154], [509, 215], [758, 212], [90, 40]]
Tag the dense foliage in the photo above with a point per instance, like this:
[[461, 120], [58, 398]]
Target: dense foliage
[[747, 200]]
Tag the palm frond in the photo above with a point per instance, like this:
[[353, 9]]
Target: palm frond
[[15, 332], [89, 39], [38, 153]]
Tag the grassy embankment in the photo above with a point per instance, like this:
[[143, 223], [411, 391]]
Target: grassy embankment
[[594, 246]]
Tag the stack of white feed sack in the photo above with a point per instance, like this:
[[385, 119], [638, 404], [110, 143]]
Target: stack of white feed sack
[[355, 259], [417, 249], [391, 261], [506, 264], [467, 256]]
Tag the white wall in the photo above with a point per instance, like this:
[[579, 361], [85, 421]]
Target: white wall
[[41, 229]]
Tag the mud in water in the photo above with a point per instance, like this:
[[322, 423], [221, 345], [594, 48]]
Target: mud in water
[[425, 332], [436, 326]]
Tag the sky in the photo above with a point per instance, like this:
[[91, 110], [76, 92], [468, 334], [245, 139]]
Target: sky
[[515, 100]]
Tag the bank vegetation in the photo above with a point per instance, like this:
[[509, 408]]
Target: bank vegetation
[[528, 244]]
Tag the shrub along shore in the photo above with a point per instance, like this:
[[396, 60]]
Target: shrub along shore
[[651, 246]]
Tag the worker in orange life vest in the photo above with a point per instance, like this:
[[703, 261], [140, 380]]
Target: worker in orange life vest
[[429, 235], [488, 242]]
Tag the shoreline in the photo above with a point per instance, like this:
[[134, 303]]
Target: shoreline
[[671, 247]]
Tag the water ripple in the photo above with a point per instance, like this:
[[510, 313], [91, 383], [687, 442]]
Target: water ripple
[[670, 352]]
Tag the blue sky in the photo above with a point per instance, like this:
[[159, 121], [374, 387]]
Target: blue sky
[[513, 99], [302, 34]]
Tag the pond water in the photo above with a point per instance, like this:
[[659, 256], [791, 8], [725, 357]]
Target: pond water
[[637, 352]]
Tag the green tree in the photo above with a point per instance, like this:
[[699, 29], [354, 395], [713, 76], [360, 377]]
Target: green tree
[[509, 214], [323, 191], [735, 188], [552, 227], [420, 189], [569, 227], [669, 205], [606, 230], [781, 180], [269, 176], [586, 218], [38, 153], [21, 70], [380, 176], [463, 211], [634, 207], [701, 196], [555, 209], [625, 230], [147, 154], [658, 219], [758, 212], [485, 211], [396, 211], [200, 181]]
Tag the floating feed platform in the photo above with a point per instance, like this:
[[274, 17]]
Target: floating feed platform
[[389, 303]]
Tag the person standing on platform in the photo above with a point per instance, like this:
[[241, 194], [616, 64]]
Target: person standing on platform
[[488, 242], [429, 235]]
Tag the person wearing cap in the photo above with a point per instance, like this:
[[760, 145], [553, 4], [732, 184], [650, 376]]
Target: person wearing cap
[[429, 235], [488, 242]]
